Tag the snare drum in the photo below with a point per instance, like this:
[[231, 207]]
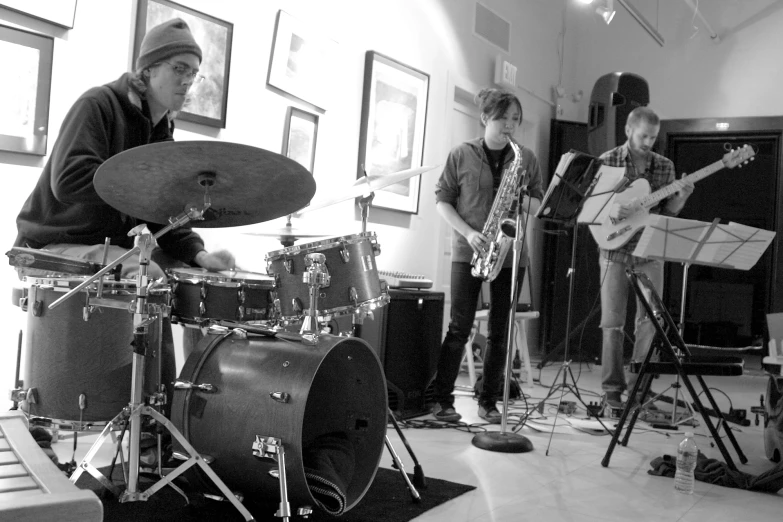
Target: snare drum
[[350, 263], [201, 296]]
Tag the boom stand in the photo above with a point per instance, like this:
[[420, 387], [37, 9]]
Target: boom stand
[[504, 441], [419, 479], [132, 414]]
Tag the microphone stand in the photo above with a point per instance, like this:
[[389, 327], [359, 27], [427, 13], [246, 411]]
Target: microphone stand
[[503, 441]]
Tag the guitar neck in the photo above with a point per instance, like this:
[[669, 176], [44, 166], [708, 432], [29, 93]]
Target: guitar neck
[[668, 190]]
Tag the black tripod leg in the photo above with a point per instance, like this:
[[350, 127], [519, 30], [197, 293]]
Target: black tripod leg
[[726, 427], [418, 473], [646, 383]]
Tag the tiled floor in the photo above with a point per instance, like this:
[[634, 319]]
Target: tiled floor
[[562, 479]]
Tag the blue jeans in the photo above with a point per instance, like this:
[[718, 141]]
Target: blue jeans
[[614, 299], [464, 297]]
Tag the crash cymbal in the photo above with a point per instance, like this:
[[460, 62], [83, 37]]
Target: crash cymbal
[[248, 185], [364, 186]]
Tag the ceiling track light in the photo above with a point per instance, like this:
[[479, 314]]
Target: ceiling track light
[[606, 12]]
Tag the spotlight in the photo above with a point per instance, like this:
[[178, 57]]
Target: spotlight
[[606, 12]]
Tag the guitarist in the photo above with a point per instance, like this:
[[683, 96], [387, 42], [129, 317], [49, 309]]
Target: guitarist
[[640, 161]]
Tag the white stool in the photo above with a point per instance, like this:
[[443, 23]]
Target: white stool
[[775, 356], [520, 343]]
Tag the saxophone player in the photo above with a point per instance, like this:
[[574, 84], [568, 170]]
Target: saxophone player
[[465, 194]]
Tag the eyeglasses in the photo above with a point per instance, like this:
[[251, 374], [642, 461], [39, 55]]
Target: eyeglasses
[[185, 71]]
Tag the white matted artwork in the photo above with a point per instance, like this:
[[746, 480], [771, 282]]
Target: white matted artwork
[[299, 138], [26, 61], [57, 12], [301, 63], [391, 135]]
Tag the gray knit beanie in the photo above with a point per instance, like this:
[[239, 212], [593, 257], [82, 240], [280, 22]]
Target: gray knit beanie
[[166, 40]]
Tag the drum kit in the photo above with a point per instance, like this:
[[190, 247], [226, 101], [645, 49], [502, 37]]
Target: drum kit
[[275, 411]]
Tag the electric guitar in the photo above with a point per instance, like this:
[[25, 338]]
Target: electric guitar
[[611, 234]]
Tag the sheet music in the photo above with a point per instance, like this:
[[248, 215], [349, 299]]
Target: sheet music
[[562, 166], [596, 208], [686, 240]]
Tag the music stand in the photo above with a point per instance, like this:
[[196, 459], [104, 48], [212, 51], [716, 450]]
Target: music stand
[[573, 185], [688, 241]]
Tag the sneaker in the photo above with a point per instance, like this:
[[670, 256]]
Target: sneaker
[[447, 414], [490, 414]]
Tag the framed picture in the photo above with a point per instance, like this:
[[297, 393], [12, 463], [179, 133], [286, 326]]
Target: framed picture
[[301, 61], [58, 12], [391, 139], [208, 99], [26, 62], [299, 138]]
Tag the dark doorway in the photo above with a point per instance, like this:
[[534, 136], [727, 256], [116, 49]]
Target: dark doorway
[[727, 307]]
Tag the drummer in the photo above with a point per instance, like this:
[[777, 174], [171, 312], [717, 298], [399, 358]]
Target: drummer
[[64, 213]]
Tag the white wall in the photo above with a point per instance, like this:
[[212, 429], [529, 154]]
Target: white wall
[[434, 36], [692, 75]]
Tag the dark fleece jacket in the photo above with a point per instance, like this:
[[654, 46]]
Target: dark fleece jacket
[[64, 206]]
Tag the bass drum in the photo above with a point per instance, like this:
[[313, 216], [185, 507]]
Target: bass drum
[[773, 419], [325, 402]]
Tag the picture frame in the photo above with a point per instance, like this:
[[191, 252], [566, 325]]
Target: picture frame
[[24, 111], [392, 129], [61, 13], [300, 137], [208, 100], [301, 61]]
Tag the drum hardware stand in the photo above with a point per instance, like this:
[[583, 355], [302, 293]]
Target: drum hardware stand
[[503, 441], [418, 473], [315, 277], [365, 203], [133, 413]]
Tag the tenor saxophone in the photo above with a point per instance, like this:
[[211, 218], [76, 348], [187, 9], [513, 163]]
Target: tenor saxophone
[[499, 228]]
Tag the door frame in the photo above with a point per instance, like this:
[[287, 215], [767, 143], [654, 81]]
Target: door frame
[[768, 126]]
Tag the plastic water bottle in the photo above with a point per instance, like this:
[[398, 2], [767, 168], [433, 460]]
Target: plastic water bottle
[[686, 463]]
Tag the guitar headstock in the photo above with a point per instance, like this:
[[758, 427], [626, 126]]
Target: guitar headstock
[[739, 157]]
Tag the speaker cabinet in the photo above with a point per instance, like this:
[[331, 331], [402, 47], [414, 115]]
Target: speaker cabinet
[[614, 96], [406, 335]]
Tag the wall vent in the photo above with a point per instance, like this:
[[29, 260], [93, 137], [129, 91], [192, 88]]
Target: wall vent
[[492, 27]]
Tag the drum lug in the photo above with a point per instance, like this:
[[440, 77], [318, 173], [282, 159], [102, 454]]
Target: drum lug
[[345, 255], [289, 265], [297, 305], [283, 397], [202, 309], [240, 313], [180, 384], [203, 291], [241, 295], [353, 296], [37, 308]]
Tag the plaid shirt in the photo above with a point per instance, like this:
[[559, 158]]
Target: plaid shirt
[[659, 174]]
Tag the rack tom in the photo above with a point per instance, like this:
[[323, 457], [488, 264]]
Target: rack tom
[[353, 277]]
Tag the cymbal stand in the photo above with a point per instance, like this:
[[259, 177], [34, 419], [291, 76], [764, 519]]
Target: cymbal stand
[[419, 478], [132, 414], [365, 203]]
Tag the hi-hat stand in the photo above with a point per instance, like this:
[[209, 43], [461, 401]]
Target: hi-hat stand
[[573, 184], [131, 416]]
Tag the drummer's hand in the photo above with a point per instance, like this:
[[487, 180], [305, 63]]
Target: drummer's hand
[[216, 261]]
